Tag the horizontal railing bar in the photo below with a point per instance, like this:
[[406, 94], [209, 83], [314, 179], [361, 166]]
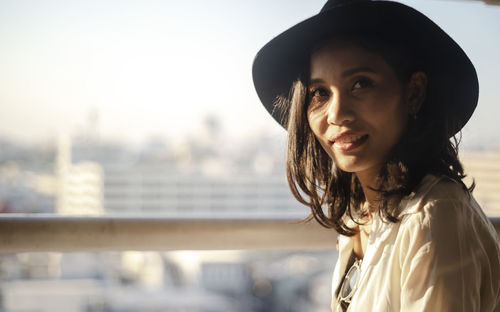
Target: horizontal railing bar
[[220, 215], [60, 233], [33, 233]]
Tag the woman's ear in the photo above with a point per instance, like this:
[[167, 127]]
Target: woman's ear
[[417, 90]]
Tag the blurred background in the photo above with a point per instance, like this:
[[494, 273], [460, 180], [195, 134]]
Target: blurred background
[[148, 108]]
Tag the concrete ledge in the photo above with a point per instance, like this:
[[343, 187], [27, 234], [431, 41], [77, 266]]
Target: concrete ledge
[[56, 233], [28, 233]]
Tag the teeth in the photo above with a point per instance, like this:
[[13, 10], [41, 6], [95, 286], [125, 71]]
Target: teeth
[[349, 139]]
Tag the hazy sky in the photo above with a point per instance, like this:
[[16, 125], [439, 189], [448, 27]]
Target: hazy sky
[[157, 67]]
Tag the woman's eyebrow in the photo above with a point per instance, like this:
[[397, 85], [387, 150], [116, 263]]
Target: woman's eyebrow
[[355, 70], [316, 80], [346, 73]]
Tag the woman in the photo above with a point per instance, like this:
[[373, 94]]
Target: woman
[[372, 94]]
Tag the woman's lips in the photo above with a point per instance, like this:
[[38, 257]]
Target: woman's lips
[[349, 142]]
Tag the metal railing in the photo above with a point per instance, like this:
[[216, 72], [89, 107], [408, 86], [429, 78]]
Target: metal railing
[[27, 233], [22, 233]]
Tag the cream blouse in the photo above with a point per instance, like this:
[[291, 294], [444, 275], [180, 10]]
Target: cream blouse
[[442, 256]]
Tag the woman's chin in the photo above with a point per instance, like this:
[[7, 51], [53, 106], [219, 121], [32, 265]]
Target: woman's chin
[[357, 165]]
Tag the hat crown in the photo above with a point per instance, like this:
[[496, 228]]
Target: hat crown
[[331, 4]]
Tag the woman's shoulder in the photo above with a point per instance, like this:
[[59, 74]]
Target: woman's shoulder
[[440, 202], [437, 191], [433, 187], [444, 236]]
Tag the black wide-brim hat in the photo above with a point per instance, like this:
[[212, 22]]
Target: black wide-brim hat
[[452, 79]]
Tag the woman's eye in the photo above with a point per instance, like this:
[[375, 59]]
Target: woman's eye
[[362, 83], [318, 93]]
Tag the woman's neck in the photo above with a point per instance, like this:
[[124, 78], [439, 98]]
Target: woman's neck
[[368, 179]]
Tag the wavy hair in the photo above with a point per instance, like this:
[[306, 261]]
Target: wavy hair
[[426, 146]]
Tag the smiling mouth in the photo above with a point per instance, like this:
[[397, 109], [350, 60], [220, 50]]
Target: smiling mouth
[[350, 142]]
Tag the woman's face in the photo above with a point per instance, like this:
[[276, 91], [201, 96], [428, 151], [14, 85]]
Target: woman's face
[[357, 107]]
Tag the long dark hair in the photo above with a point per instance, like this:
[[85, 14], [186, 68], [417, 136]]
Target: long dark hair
[[427, 146]]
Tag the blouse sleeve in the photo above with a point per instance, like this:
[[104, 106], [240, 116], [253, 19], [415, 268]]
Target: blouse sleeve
[[444, 259]]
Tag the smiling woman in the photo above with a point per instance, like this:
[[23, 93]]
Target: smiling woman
[[378, 93]]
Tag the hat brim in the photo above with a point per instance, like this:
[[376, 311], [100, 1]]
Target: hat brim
[[452, 77]]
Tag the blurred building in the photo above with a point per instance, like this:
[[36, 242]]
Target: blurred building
[[156, 189], [484, 168], [79, 185]]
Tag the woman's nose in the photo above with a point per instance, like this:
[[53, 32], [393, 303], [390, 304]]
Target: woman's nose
[[338, 111]]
